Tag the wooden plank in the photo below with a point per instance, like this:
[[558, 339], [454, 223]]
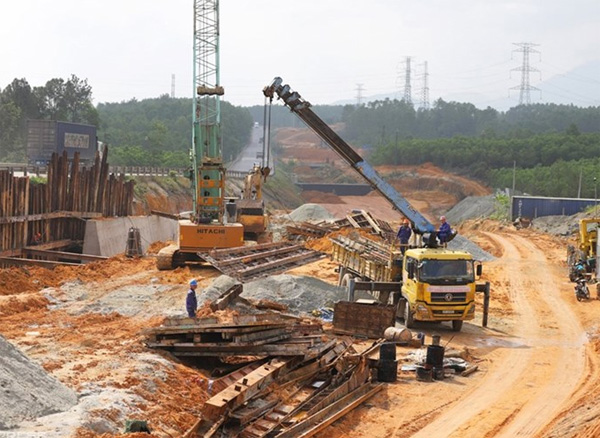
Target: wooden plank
[[28, 262], [240, 392], [56, 244], [319, 421], [227, 297], [184, 350], [11, 253], [32, 251], [214, 328], [46, 216], [263, 334]]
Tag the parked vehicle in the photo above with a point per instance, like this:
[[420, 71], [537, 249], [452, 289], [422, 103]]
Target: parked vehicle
[[45, 137], [582, 292]]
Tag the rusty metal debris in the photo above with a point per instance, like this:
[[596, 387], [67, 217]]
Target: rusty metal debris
[[251, 262], [358, 219], [304, 381]]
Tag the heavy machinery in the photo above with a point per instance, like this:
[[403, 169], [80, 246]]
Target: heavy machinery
[[586, 250], [208, 226], [250, 208], [430, 283]]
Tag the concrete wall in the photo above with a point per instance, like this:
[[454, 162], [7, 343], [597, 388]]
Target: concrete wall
[[108, 237]]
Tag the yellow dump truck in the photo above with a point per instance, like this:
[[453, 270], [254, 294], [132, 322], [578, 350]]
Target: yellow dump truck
[[427, 284]]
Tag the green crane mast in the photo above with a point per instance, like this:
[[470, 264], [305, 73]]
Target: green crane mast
[[208, 172]]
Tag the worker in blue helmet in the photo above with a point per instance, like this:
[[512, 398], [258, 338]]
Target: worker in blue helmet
[[191, 302]]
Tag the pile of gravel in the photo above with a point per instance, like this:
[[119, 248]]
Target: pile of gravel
[[310, 212], [472, 207], [461, 243], [26, 390], [300, 294]]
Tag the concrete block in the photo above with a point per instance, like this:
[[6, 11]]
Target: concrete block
[[108, 236]]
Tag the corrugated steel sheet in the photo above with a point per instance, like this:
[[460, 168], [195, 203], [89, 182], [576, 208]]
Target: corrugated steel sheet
[[44, 137], [538, 206]]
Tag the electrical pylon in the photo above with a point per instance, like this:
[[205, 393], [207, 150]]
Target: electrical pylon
[[525, 87]]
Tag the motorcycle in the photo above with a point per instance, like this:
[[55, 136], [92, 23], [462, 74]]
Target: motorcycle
[[582, 291]]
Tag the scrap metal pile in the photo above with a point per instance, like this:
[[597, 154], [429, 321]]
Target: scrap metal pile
[[250, 262], [357, 219], [302, 381]]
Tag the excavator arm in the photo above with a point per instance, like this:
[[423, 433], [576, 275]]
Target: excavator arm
[[303, 110]]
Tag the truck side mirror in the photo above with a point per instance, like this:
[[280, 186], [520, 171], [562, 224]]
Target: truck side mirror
[[479, 269]]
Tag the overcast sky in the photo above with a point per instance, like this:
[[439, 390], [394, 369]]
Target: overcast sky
[[322, 48]]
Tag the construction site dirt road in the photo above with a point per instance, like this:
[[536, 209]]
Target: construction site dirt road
[[538, 364], [538, 359]]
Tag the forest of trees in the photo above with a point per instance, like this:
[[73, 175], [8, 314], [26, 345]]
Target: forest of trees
[[150, 132], [158, 132], [548, 148]]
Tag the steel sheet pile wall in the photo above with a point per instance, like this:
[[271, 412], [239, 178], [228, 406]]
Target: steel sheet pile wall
[[14, 200], [56, 209]]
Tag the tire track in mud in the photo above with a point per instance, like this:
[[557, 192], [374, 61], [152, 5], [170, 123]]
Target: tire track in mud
[[538, 368]]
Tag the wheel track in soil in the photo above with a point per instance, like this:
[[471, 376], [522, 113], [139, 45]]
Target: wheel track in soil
[[525, 388]]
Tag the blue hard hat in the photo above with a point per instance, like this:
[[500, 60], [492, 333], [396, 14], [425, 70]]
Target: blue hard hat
[[193, 282]]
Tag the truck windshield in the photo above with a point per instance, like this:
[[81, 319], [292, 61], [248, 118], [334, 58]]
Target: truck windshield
[[446, 271]]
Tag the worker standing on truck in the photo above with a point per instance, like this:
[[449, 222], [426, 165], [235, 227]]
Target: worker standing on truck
[[444, 231], [191, 302], [403, 235]]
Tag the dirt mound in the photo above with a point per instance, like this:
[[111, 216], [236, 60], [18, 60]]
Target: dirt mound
[[27, 390], [310, 212]]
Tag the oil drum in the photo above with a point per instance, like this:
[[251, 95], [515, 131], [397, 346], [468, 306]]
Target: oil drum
[[387, 351], [387, 371], [435, 356]]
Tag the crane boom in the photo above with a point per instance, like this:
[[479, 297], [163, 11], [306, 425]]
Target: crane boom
[[303, 110]]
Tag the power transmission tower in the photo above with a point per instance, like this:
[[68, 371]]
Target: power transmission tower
[[525, 87], [407, 87], [172, 86], [425, 90], [359, 95]]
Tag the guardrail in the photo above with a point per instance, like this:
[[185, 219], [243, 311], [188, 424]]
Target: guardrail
[[26, 169]]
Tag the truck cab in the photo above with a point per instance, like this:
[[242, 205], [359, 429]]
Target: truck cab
[[438, 285]]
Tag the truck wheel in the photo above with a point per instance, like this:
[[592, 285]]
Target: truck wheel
[[457, 325], [409, 320]]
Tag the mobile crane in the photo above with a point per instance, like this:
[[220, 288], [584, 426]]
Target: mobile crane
[[208, 227], [435, 284]]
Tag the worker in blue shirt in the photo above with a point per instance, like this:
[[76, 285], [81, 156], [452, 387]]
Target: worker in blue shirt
[[444, 231], [403, 235], [191, 302]]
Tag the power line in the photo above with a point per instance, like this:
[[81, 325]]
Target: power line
[[525, 87]]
